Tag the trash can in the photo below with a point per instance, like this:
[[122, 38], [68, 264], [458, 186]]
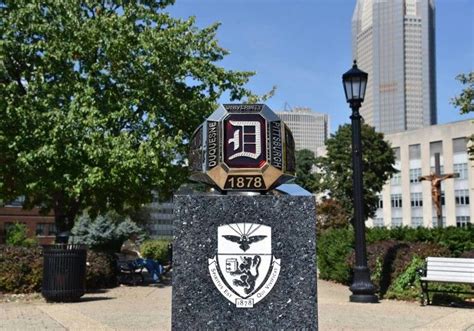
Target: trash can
[[64, 272]]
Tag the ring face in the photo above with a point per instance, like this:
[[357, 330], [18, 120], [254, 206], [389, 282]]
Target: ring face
[[245, 141], [242, 147]]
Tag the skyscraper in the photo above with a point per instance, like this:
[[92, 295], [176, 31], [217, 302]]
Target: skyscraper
[[310, 129], [394, 41]]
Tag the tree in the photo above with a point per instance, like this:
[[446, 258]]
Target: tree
[[336, 167], [465, 102], [331, 215], [17, 235], [105, 233], [99, 99], [305, 176]]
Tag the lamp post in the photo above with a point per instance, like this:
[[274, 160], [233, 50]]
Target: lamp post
[[362, 288]]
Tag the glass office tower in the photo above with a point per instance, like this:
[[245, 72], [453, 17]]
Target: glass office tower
[[394, 41]]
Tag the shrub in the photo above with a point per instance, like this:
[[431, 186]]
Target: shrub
[[104, 233], [377, 234], [407, 285], [438, 298], [331, 215], [468, 254], [390, 259], [17, 235], [392, 255], [457, 240], [101, 271], [157, 250], [21, 269], [333, 249]]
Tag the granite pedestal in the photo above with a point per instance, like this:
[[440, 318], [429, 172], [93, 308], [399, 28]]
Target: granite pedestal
[[290, 303]]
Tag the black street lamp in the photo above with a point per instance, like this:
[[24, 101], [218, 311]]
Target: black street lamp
[[355, 82]]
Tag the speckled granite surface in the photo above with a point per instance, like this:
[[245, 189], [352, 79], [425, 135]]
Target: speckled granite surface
[[196, 302]]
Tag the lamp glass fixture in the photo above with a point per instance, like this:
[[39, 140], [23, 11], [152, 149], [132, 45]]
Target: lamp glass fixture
[[355, 83]]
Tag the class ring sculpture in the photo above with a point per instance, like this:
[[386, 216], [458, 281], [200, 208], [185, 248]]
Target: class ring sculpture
[[242, 147]]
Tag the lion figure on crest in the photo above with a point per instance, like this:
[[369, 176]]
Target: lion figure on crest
[[248, 272]]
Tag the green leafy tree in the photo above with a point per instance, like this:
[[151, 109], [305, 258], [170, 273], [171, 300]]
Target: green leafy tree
[[336, 167], [99, 99], [331, 215], [465, 101], [305, 174], [17, 235]]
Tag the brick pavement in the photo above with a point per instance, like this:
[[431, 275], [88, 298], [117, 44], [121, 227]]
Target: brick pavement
[[149, 308], [121, 308]]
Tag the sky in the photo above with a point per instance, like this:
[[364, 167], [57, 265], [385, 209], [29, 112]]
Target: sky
[[304, 46]]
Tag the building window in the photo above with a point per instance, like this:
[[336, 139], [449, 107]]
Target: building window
[[460, 145], [461, 197], [415, 175], [461, 169], [416, 222], [396, 222], [378, 222], [380, 202], [396, 200], [52, 229], [414, 152], [435, 222], [18, 202], [396, 178], [441, 169], [416, 199], [41, 229], [463, 221]]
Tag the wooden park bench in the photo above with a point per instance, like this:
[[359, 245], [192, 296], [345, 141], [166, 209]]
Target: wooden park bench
[[445, 270]]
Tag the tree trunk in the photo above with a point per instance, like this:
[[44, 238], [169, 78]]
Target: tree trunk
[[65, 211]]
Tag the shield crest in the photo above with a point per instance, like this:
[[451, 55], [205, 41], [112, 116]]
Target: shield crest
[[244, 269]]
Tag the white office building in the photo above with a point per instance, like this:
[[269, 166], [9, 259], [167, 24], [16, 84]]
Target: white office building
[[394, 42], [310, 129], [405, 201]]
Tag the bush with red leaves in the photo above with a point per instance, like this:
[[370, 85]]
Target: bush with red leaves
[[388, 259]]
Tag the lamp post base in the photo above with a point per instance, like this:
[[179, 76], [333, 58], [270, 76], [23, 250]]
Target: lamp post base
[[364, 298], [362, 288]]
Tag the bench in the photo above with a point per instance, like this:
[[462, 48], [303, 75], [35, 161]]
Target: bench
[[445, 270], [128, 273]]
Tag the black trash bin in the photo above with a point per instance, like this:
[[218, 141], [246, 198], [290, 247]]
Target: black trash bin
[[64, 272]]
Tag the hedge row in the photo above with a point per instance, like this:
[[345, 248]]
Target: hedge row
[[21, 269], [457, 240], [393, 255]]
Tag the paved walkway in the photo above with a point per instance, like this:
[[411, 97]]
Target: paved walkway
[[337, 313], [148, 308]]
